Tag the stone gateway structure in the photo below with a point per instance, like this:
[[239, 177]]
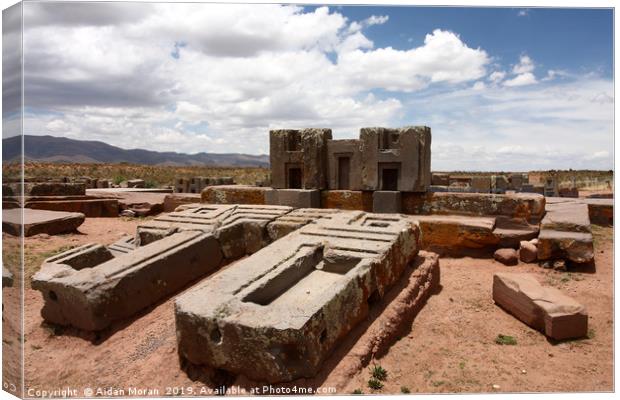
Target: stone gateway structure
[[391, 159]]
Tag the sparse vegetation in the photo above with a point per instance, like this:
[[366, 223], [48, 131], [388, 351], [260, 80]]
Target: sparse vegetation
[[405, 390], [358, 391], [462, 365], [505, 340], [591, 333], [437, 383], [156, 175], [378, 372], [375, 384]]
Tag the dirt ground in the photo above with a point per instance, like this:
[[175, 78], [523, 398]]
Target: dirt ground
[[450, 346]]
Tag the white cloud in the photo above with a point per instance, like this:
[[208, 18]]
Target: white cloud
[[497, 76], [479, 85], [442, 58], [524, 66], [523, 13], [377, 20], [207, 77], [57, 125], [547, 126], [526, 78]]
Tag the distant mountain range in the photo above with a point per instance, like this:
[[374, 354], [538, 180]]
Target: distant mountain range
[[63, 150]]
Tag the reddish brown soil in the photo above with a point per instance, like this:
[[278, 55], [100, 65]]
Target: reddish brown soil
[[449, 348]]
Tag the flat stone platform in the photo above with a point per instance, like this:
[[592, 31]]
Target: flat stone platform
[[40, 221]]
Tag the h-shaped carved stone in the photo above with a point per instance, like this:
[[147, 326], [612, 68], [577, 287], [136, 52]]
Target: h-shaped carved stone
[[276, 315]]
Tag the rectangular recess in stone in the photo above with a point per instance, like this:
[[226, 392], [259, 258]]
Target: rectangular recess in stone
[[278, 314], [91, 286]]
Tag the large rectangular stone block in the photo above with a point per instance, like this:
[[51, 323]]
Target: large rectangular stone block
[[234, 194], [386, 202], [518, 205], [543, 308], [347, 200], [39, 221], [278, 314], [297, 198], [91, 286]]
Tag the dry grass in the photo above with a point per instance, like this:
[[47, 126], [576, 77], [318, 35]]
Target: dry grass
[[154, 175]]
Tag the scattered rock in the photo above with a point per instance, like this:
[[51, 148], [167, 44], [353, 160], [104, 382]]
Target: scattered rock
[[7, 278], [128, 213], [527, 252], [559, 265], [506, 256], [543, 308]]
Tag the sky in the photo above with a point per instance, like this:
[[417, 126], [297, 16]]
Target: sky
[[501, 88]]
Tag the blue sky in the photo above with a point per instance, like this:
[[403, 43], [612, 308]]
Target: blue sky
[[501, 88], [575, 39]]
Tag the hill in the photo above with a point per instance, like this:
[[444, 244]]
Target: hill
[[63, 150]]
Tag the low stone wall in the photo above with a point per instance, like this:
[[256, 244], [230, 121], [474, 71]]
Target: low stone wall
[[519, 205]]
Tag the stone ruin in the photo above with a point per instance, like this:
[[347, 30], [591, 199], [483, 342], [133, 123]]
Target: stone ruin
[[341, 223], [278, 314], [197, 183]]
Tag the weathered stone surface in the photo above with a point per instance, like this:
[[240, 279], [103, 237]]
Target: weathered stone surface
[[481, 184], [574, 246], [172, 201], [439, 179], [297, 198], [567, 216], [347, 200], [528, 252], [141, 203], [90, 206], [234, 194], [382, 159], [298, 158], [39, 221], [543, 308], [389, 202], [406, 151], [277, 315], [295, 219], [46, 189], [506, 256], [7, 277], [456, 234], [91, 286], [92, 297], [600, 211], [531, 207], [511, 231], [565, 233], [344, 164]]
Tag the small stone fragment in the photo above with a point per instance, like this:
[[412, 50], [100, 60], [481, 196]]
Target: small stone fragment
[[527, 252], [506, 256]]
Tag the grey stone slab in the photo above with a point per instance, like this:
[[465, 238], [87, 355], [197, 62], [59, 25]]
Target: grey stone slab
[[386, 202], [40, 221], [91, 286], [297, 198], [278, 314]]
